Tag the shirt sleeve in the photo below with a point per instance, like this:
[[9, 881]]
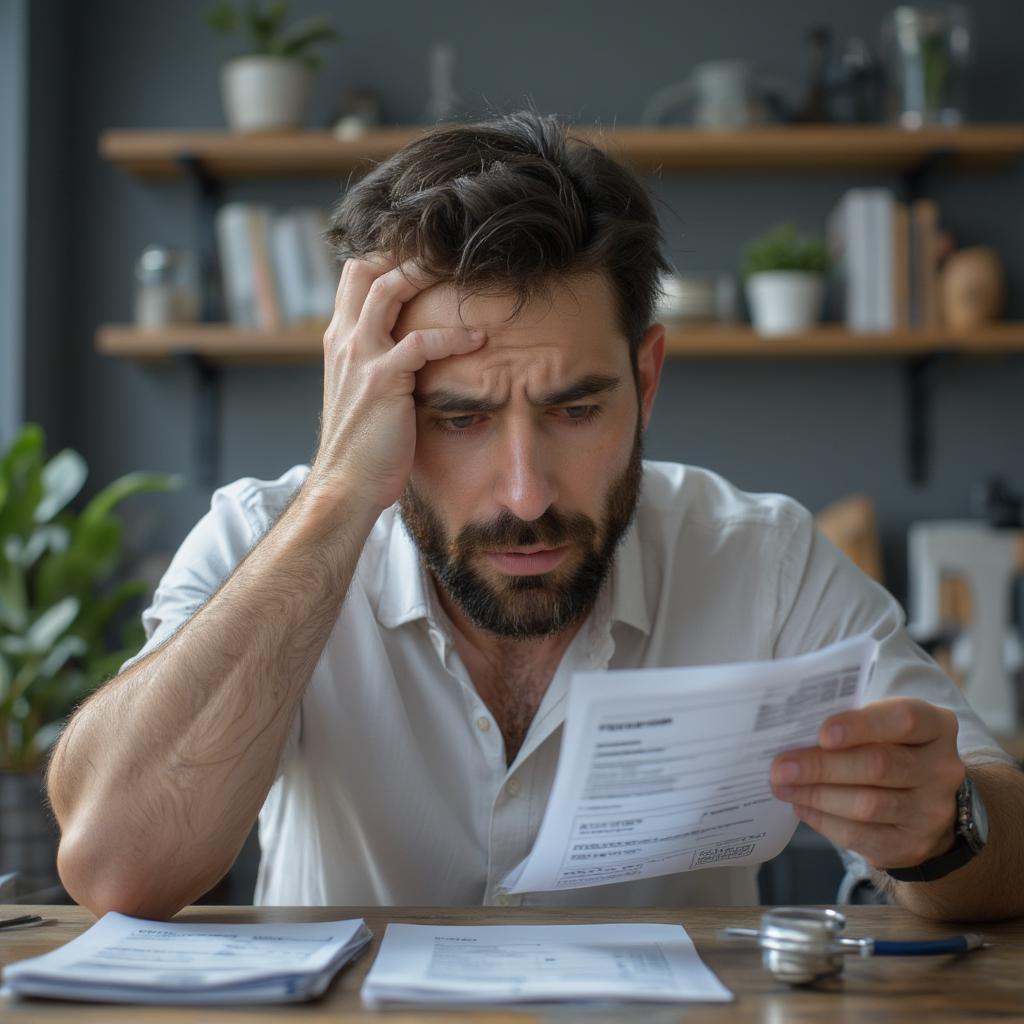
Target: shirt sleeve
[[211, 551], [824, 597]]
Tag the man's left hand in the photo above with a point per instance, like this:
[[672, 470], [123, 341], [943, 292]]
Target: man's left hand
[[882, 782]]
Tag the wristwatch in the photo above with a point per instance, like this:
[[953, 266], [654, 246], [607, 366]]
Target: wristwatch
[[971, 835]]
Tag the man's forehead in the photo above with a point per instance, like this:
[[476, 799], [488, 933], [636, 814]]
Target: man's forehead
[[569, 330], [585, 301]]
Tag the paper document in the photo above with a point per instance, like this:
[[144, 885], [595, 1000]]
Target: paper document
[[513, 963], [668, 770], [127, 960]]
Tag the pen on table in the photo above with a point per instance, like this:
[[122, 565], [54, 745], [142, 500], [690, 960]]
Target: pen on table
[[25, 921]]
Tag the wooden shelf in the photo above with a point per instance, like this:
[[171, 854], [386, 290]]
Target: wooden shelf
[[224, 344], [160, 154]]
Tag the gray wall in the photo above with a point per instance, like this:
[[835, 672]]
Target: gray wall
[[816, 430], [13, 103]]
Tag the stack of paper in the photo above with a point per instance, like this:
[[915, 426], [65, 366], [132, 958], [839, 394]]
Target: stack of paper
[[127, 960], [519, 963]]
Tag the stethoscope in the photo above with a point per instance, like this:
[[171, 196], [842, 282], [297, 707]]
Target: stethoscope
[[801, 945]]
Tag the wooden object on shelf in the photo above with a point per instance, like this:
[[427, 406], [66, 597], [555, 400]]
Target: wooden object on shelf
[[852, 526], [784, 148], [225, 343]]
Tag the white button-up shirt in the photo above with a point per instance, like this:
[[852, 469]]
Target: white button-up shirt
[[393, 787]]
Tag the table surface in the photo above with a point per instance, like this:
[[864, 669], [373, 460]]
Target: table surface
[[985, 985]]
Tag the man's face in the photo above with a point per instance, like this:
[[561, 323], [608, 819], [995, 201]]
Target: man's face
[[527, 464]]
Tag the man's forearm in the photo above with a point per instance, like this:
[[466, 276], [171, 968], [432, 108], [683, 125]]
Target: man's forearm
[[991, 886], [159, 777]]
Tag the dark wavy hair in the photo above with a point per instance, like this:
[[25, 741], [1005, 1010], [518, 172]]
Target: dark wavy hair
[[509, 206]]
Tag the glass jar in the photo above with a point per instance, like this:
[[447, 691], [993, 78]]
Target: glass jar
[[927, 55], [166, 291]]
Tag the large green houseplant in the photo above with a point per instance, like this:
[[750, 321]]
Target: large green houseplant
[[62, 621]]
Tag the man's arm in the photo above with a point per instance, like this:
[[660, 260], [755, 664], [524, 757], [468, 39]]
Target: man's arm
[[991, 885], [883, 782], [159, 777]]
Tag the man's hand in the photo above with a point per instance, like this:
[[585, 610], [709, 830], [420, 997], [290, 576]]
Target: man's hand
[[882, 782], [368, 426]]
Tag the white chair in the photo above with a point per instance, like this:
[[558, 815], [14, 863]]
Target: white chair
[[988, 650]]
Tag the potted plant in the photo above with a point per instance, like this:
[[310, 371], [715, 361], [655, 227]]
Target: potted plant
[[61, 625], [268, 87], [785, 280]]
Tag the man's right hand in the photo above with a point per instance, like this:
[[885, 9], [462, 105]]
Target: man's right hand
[[368, 425]]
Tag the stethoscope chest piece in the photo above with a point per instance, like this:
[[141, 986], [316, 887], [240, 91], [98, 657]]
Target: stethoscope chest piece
[[801, 945]]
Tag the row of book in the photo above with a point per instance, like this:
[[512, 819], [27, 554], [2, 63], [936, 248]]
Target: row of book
[[885, 256], [276, 268]]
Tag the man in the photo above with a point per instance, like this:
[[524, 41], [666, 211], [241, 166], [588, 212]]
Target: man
[[372, 653]]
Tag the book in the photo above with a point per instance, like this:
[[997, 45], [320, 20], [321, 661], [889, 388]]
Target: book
[[123, 959], [901, 265], [860, 233], [235, 256], [291, 267], [925, 233], [268, 306], [324, 270]]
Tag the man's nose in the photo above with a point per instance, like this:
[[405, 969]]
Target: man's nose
[[525, 479]]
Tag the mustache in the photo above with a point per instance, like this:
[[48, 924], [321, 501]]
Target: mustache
[[552, 529]]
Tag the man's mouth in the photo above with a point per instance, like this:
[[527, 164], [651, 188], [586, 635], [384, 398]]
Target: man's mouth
[[527, 561]]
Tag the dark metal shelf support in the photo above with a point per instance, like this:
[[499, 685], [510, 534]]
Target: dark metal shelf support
[[206, 417], [916, 370]]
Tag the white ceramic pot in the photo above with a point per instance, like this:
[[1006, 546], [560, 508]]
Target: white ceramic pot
[[785, 301], [265, 93]]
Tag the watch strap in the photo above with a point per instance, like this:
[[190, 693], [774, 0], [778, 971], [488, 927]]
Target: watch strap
[[966, 845], [935, 867]]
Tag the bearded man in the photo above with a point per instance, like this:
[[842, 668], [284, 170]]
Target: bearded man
[[371, 653]]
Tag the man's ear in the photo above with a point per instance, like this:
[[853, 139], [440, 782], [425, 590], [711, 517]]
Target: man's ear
[[650, 358]]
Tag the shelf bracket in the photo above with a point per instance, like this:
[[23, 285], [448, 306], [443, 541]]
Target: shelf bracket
[[914, 179], [205, 417], [206, 376], [916, 373], [207, 191]]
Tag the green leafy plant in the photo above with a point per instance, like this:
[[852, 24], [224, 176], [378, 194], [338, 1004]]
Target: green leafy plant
[[59, 606], [263, 27], [783, 249]]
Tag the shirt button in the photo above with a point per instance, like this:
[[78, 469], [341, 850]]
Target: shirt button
[[513, 787], [483, 724]]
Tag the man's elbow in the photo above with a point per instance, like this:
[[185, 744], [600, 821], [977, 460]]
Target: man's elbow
[[102, 883]]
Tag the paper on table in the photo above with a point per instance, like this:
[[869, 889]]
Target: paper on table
[[506, 963], [126, 959], [668, 770]]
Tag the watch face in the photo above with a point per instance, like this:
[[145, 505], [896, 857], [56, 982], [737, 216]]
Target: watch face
[[975, 827]]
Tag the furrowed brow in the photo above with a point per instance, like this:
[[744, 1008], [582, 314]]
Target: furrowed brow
[[443, 400], [452, 401], [585, 387]]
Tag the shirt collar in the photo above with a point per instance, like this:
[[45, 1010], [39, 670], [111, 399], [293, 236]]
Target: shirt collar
[[408, 594]]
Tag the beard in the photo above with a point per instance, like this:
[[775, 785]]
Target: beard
[[527, 607]]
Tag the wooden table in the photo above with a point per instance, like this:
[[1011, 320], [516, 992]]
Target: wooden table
[[985, 985]]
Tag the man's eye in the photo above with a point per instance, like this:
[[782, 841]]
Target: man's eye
[[458, 422], [581, 413]]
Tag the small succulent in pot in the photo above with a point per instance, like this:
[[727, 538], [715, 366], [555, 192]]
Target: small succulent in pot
[[785, 280]]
